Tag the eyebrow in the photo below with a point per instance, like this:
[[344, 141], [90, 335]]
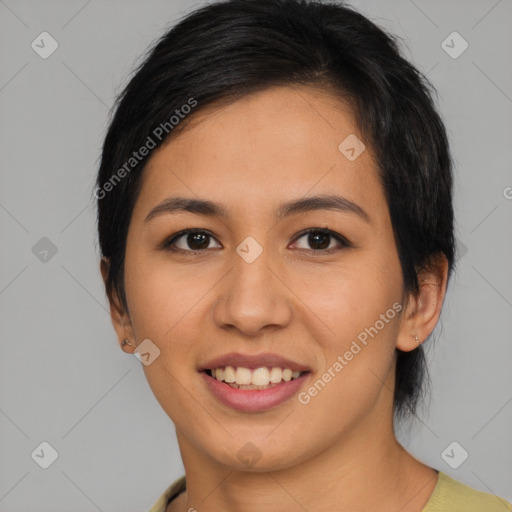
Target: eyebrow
[[306, 204]]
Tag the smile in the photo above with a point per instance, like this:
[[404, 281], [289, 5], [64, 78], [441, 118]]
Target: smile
[[258, 378], [253, 398]]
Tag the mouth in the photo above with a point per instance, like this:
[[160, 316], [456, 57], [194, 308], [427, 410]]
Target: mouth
[[253, 382], [253, 379], [253, 390]]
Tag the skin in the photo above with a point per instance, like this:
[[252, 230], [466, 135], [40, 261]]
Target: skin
[[293, 299]]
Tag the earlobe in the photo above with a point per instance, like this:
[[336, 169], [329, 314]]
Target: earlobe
[[125, 344], [424, 308]]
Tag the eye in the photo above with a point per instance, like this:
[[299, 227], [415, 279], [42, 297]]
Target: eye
[[189, 240], [195, 240], [322, 239]]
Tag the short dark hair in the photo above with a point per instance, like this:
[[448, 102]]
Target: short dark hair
[[232, 48]]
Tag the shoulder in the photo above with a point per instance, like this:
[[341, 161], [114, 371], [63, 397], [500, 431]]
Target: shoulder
[[177, 487], [453, 496], [449, 496]]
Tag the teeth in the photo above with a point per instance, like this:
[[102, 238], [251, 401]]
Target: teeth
[[243, 376], [259, 378], [229, 374], [276, 375]]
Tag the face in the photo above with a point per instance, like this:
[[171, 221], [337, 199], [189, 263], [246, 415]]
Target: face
[[249, 284]]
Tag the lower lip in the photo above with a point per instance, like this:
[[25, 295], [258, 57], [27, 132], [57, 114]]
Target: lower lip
[[254, 400]]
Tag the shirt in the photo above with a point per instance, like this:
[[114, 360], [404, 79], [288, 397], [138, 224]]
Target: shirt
[[449, 496]]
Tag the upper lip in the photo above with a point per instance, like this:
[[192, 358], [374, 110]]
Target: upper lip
[[253, 361]]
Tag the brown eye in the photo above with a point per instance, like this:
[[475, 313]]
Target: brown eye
[[197, 240], [319, 240], [323, 240], [190, 241]]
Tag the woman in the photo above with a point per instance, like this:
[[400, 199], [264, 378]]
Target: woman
[[276, 226]]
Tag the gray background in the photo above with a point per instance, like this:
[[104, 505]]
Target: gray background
[[63, 378]]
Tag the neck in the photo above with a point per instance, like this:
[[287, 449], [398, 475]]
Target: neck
[[366, 470]]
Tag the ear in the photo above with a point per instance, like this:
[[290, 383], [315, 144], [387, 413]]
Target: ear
[[422, 311], [119, 316]]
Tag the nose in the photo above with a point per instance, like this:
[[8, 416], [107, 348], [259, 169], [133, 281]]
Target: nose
[[253, 297]]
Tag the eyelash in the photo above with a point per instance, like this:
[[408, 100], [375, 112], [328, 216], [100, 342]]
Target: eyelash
[[168, 244]]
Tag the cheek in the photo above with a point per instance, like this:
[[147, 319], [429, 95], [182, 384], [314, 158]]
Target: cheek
[[164, 298], [359, 352], [171, 305], [351, 297], [361, 308], [167, 307]]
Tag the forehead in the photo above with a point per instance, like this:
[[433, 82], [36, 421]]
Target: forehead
[[277, 143]]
